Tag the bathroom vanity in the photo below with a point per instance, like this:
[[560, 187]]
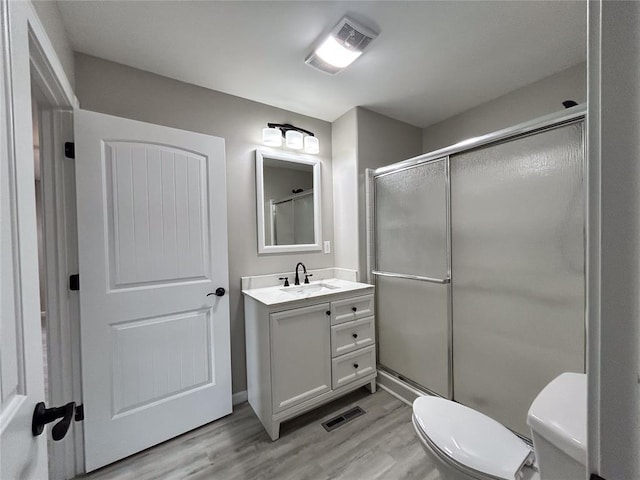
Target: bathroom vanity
[[306, 345]]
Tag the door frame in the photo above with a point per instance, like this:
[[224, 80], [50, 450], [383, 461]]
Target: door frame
[[60, 246], [35, 63]]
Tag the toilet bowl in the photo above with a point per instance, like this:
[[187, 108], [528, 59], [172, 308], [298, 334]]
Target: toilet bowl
[[464, 444]]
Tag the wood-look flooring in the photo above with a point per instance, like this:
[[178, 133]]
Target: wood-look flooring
[[378, 445]]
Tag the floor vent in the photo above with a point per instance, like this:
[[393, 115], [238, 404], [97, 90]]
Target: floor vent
[[343, 418]]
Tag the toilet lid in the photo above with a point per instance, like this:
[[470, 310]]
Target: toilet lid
[[470, 438]]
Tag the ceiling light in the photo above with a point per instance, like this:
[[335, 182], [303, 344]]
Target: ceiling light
[[344, 44], [296, 138], [336, 54]]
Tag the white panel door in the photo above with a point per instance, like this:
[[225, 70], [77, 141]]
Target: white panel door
[[22, 456], [152, 246]]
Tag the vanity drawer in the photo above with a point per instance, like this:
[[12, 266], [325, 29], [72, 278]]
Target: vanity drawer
[[349, 336], [352, 366], [351, 309]]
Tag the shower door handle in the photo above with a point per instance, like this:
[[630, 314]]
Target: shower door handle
[[442, 281]]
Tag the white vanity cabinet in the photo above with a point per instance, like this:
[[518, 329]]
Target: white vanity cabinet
[[303, 353], [300, 366]]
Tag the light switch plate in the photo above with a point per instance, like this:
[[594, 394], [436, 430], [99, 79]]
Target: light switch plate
[[327, 246]]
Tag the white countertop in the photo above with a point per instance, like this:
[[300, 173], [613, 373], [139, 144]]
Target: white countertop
[[277, 295]]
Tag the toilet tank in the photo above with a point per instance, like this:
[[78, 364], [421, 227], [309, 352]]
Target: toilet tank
[[558, 422]]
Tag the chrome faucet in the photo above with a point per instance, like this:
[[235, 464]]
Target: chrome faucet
[[306, 275]]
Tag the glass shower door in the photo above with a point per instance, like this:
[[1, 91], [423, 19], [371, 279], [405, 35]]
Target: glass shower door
[[412, 273], [517, 226]]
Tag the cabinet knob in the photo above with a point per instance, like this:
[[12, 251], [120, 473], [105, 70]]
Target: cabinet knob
[[328, 312], [355, 365], [355, 309], [355, 335]]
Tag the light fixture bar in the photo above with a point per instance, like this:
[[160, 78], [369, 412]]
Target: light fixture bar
[[295, 138], [287, 126]]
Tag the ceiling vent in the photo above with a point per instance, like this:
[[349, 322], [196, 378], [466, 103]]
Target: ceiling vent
[[341, 47]]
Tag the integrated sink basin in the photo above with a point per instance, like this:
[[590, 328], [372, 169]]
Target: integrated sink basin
[[329, 287], [307, 289]]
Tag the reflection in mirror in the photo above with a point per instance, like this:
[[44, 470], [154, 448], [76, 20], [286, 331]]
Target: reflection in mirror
[[288, 202]]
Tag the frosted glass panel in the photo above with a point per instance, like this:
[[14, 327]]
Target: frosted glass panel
[[303, 219], [411, 221], [284, 224], [517, 213], [412, 330]]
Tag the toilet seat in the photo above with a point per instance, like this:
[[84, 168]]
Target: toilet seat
[[470, 440]]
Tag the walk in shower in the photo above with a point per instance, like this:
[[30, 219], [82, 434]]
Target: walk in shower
[[477, 253]]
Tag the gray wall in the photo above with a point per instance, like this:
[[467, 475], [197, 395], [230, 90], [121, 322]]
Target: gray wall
[[344, 142], [527, 103], [51, 19], [116, 89], [614, 240], [363, 139]]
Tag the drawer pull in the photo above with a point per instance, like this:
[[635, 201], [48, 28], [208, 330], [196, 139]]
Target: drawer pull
[[355, 335], [355, 309], [355, 365], [328, 312]]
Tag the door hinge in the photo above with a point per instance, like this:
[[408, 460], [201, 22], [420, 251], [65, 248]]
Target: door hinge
[[79, 413], [70, 149], [74, 282]]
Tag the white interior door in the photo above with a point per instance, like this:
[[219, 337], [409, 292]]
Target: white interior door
[[152, 245], [21, 374]]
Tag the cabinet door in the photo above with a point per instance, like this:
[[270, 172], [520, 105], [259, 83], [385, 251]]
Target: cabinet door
[[300, 355]]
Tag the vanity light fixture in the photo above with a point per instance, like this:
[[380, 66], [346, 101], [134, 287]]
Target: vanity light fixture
[[344, 44], [295, 138]]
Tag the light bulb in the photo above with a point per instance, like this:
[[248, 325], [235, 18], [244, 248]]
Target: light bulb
[[311, 144], [336, 54], [271, 137], [293, 139]]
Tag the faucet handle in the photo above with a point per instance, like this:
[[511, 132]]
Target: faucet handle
[[306, 277], [286, 280]]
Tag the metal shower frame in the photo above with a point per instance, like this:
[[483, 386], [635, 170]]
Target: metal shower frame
[[571, 115]]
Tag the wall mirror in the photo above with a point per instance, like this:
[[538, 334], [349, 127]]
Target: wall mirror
[[288, 202]]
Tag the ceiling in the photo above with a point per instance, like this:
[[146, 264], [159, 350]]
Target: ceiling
[[430, 61]]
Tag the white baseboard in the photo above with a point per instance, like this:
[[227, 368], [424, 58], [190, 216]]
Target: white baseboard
[[239, 397]]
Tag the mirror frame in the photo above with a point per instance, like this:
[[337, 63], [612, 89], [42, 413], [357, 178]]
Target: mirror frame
[[261, 154]]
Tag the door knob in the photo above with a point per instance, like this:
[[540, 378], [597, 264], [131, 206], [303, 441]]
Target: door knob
[[218, 293], [43, 415]]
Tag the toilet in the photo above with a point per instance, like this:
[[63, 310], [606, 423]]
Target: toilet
[[464, 444]]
